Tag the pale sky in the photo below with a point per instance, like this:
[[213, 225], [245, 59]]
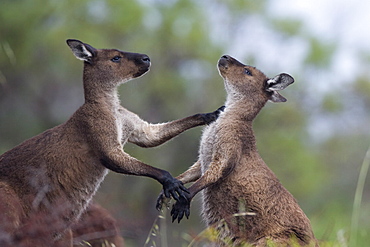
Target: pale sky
[[340, 22]]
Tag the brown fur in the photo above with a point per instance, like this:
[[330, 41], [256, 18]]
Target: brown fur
[[48, 180], [96, 227], [234, 178]]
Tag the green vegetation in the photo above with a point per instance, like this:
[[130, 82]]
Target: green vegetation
[[315, 143]]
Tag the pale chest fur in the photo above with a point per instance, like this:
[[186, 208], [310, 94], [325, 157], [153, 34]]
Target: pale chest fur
[[207, 144], [119, 126], [125, 124], [123, 119]]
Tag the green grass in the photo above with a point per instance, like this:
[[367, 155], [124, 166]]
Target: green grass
[[158, 232], [358, 199]]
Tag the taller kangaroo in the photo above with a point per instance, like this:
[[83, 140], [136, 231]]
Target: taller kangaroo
[[242, 197], [48, 180]]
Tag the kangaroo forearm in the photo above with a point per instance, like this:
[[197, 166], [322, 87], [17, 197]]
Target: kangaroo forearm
[[173, 128], [199, 185], [156, 134], [176, 127], [215, 173], [191, 175], [131, 166]]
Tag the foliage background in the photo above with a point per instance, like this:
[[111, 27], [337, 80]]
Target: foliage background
[[315, 142]]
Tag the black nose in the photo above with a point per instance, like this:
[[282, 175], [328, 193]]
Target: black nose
[[145, 59], [225, 61]]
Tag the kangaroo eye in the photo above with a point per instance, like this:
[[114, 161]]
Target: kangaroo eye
[[248, 72], [116, 59]]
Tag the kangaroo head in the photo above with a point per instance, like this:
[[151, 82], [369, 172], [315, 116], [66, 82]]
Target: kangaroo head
[[243, 81], [108, 67]]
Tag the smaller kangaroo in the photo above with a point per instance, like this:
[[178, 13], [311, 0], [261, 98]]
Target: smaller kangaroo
[[242, 197], [50, 179]]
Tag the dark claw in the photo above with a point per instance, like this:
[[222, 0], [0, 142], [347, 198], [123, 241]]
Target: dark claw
[[183, 188], [166, 194], [222, 108], [181, 208], [173, 187], [180, 217], [187, 213], [160, 201], [174, 195], [211, 117], [174, 216]]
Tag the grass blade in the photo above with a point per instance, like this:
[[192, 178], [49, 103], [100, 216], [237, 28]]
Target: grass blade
[[358, 198]]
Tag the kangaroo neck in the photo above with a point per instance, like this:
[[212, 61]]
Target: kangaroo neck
[[243, 109], [98, 87], [96, 90], [102, 96], [240, 124]]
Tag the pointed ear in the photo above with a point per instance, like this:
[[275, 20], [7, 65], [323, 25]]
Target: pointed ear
[[278, 83], [81, 50], [277, 98]]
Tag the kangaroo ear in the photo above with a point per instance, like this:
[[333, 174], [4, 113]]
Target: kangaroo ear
[[278, 83], [81, 50], [277, 98]]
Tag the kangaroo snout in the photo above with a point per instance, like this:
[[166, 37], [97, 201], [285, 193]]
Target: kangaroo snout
[[226, 62], [142, 59], [138, 59], [142, 63], [223, 62], [145, 59]]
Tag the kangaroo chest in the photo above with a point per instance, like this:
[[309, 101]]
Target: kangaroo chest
[[124, 125], [207, 145]]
